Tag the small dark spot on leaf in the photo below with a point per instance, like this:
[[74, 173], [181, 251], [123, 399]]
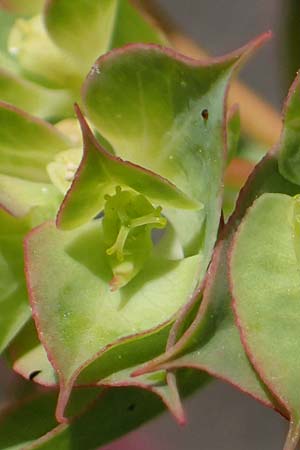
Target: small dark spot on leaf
[[204, 114], [99, 216], [34, 374], [131, 407]]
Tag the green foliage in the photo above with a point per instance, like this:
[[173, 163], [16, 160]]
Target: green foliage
[[117, 273], [290, 40]]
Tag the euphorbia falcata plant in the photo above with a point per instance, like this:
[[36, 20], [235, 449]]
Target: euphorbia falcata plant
[[118, 273]]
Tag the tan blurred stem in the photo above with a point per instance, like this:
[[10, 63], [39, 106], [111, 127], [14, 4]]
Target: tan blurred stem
[[259, 119]]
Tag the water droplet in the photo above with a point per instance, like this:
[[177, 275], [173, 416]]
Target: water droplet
[[95, 70], [71, 166], [14, 51], [69, 176]]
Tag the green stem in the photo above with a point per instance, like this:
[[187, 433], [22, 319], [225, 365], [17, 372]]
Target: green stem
[[148, 220], [292, 440], [118, 246]]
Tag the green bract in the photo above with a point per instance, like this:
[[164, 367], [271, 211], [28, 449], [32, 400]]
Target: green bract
[[117, 272], [272, 299], [275, 298]]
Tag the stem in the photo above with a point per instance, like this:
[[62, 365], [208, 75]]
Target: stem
[[292, 440], [237, 172]]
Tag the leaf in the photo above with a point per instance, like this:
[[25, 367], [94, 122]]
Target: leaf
[[6, 21], [205, 336], [56, 58], [32, 98], [132, 26], [77, 316], [27, 156], [27, 354], [28, 357], [19, 196], [93, 22], [159, 385], [14, 307], [16, 422], [212, 343], [30, 360], [267, 309], [34, 203], [119, 411], [22, 6], [288, 142], [40, 59], [233, 131], [165, 112], [66, 385], [290, 40], [100, 172], [289, 156], [113, 411], [162, 384], [99, 25], [62, 169], [24, 421]]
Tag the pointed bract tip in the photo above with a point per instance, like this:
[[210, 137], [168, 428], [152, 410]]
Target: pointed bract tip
[[82, 121], [181, 418], [247, 50], [179, 414]]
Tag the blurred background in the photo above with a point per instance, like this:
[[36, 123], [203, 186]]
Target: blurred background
[[220, 417], [220, 26]]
